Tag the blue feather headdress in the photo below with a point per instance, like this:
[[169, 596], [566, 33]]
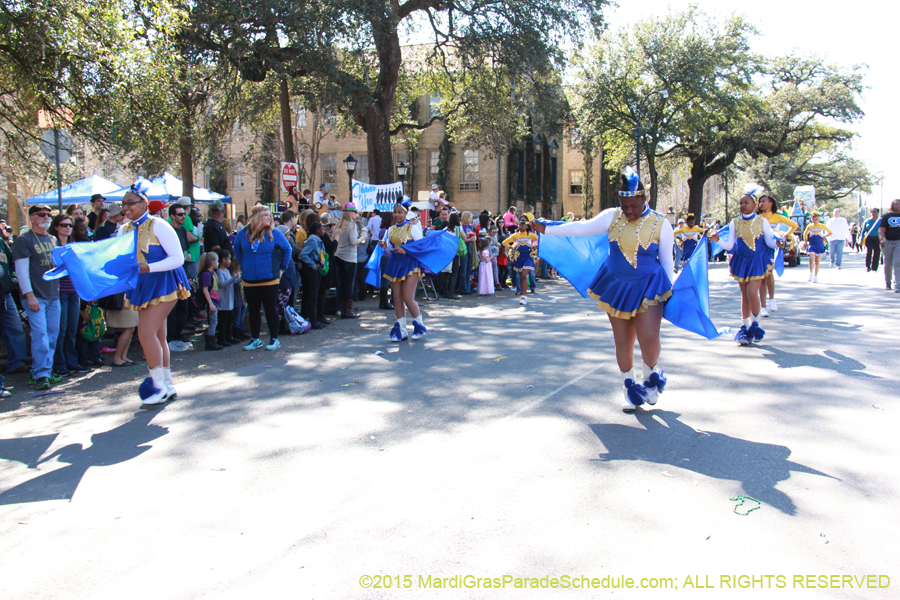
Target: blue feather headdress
[[633, 183], [754, 190], [140, 187]]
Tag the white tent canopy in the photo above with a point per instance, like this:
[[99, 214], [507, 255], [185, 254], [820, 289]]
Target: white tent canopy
[[168, 188], [77, 192]]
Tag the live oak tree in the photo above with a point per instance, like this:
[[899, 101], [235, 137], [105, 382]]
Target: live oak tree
[[354, 48], [828, 166]]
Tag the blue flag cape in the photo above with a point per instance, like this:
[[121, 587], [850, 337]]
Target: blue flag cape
[[724, 234], [98, 269], [435, 251], [578, 259], [374, 267]]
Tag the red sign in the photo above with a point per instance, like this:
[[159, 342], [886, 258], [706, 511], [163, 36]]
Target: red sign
[[289, 176]]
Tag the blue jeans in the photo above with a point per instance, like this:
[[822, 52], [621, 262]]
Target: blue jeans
[[212, 319], [11, 328], [240, 313], [44, 332], [545, 270], [531, 282], [65, 356], [464, 283], [836, 249], [190, 269]]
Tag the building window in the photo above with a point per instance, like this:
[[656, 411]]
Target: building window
[[362, 168], [434, 102], [470, 166], [434, 157], [329, 168], [469, 186], [576, 181], [237, 176], [300, 115]]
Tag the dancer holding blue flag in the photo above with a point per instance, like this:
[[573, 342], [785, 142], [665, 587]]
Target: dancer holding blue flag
[[768, 209], [632, 283], [689, 236], [161, 282], [750, 234], [403, 271]]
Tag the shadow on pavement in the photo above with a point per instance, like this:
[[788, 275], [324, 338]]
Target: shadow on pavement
[[107, 448], [759, 467], [828, 360]]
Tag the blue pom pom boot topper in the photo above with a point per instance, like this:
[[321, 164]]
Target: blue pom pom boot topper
[[419, 328], [741, 336], [153, 389], [755, 332], [654, 382], [635, 393], [398, 331]]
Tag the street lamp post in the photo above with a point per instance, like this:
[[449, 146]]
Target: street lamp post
[[350, 165], [402, 169], [639, 130]]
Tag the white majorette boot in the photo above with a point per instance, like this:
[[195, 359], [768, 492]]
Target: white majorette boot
[[153, 388], [418, 327], [398, 331], [654, 382], [171, 394], [773, 306], [635, 394], [763, 312]]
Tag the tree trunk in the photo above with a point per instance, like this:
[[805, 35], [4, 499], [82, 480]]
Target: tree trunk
[[546, 185], [375, 116], [654, 176], [529, 172], [287, 123], [378, 145], [587, 181], [186, 148], [695, 186], [609, 188], [512, 173]]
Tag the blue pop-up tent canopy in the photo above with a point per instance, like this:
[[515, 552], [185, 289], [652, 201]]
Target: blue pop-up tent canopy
[[168, 188], [77, 192]]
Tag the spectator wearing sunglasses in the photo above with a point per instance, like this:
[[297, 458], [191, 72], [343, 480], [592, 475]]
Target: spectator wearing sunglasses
[[33, 255]]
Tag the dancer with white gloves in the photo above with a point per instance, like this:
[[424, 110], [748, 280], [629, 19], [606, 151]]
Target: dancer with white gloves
[[633, 283]]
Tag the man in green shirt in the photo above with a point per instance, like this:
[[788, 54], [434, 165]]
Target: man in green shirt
[[193, 252]]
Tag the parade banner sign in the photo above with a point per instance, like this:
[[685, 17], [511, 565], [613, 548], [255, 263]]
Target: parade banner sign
[[368, 197], [806, 196]]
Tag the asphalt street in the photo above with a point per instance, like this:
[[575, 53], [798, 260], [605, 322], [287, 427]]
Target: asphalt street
[[493, 447]]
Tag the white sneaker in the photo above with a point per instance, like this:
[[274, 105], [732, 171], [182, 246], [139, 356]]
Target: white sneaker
[[763, 312], [815, 280], [523, 300], [773, 306], [810, 277]]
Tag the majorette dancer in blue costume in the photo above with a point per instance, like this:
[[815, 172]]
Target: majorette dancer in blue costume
[[689, 237], [161, 282], [633, 283], [750, 235], [403, 271]]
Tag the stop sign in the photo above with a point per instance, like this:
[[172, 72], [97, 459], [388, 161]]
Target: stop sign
[[289, 177]]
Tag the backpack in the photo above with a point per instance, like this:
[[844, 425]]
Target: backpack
[[297, 325], [324, 262], [95, 327], [461, 249]]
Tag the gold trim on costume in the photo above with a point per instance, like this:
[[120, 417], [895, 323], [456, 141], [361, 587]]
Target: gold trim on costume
[[752, 277], [645, 304], [417, 271], [146, 237], [180, 294], [632, 235], [748, 230]]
